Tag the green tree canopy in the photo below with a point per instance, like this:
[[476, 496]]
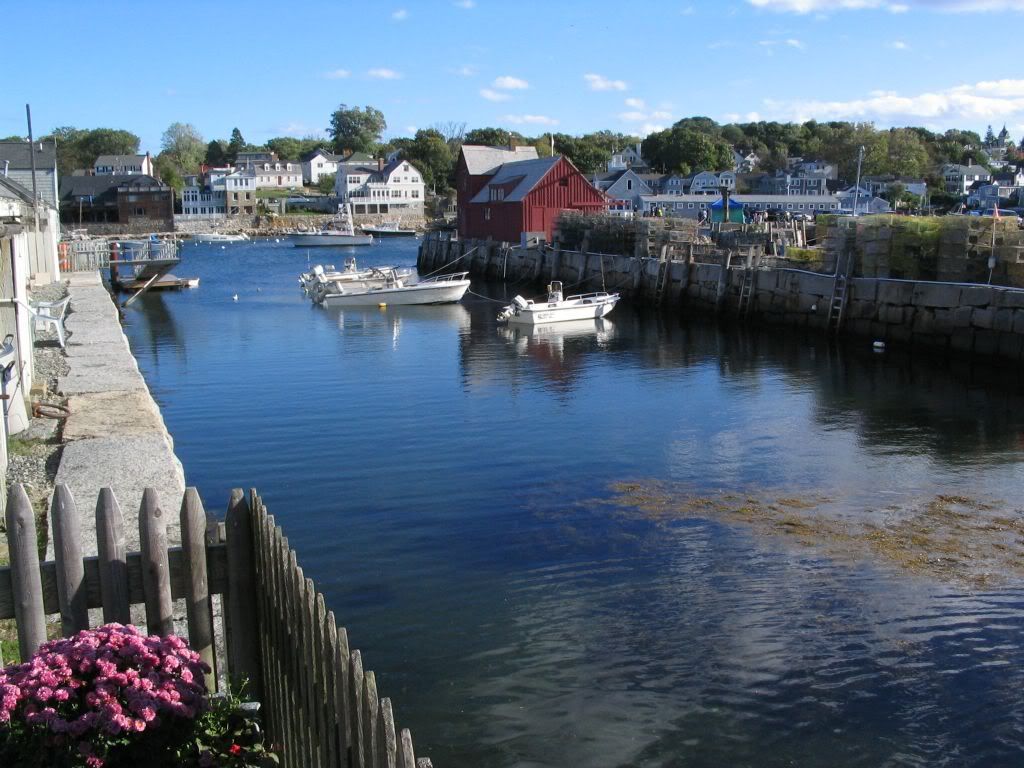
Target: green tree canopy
[[430, 153], [183, 146], [356, 130], [78, 148], [167, 169], [216, 153], [235, 145]]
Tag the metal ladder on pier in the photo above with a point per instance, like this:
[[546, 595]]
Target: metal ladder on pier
[[747, 286], [840, 289], [664, 275]]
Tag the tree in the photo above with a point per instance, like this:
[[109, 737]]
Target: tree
[[683, 149], [491, 137], [286, 147], [14, 138], [77, 148], [166, 170], [184, 147], [216, 153], [235, 145], [326, 183], [355, 129], [990, 138], [430, 153]]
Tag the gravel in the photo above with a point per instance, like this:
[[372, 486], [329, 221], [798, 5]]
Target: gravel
[[34, 455]]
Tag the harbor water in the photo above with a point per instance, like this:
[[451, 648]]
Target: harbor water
[[653, 542]]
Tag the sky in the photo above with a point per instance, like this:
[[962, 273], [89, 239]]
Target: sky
[[572, 66]]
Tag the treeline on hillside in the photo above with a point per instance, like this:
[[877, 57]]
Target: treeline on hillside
[[699, 143], [692, 144]]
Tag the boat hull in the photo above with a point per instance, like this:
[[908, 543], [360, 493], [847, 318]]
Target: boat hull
[[422, 293], [542, 314], [319, 241], [390, 232]]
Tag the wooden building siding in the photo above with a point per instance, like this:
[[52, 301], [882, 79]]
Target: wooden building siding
[[562, 187]]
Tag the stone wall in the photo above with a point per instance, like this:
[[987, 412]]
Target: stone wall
[[962, 317]]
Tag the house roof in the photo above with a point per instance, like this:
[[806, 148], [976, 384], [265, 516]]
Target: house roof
[[94, 186], [323, 152], [482, 160], [116, 160], [11, 189], [357, 157], [524, 174], [18, 156]]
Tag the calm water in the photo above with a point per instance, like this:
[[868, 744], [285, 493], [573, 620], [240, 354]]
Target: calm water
[[442, 480]]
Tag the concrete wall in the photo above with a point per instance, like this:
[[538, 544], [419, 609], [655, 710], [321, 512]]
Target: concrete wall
[[962, 317]]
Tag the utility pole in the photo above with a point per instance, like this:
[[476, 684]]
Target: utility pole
[[32, 156], [856, 191]]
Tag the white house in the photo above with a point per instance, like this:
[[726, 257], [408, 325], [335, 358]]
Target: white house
[[630, 157], [123, 165], [393, 188], [205, 198], [959, 178], [277, 174], [240, 193], [319, 163], [16, 162], [710, 183]]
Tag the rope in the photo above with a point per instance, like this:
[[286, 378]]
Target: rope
[[487, 298], [453, 261]]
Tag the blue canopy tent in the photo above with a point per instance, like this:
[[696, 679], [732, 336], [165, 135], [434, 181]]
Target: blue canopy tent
[[735, 211]]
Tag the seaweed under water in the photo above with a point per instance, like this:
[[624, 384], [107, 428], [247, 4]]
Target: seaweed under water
[[949, 538]]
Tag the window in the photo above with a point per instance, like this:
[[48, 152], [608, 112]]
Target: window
[[690, 206], [629, 184], [487, 214], [396, 193], [140, 211], [416, 193], [405, 167], [564, 181]]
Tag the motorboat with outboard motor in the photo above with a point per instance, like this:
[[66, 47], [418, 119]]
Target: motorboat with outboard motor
[[444, 289], [584, 306]]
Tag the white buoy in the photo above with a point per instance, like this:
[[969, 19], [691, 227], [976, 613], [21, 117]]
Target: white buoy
[[235, 297], [223, 247], [879, 346]]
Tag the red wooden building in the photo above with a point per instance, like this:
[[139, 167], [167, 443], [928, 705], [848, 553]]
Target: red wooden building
[[521, 196]]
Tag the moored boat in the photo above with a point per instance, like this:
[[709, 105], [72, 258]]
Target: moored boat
[[445, 289], [219, 237], [338, 231], [556, 309], [320, 276], [389, 229]]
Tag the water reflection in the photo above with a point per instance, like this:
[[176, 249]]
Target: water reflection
[[457, 520]]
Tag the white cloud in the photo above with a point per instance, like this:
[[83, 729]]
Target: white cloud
[[648, 118], [794, 43], [659, 115], [602, 83], [463, 71], [633, 117], [293, 129], [510, 83], [465, 4], [490, 95], [689, 10], [530, 120], [410, 129], [337, 74], [635, 103], [985, 101], [944, 6], [400, 15], [384, 74], [648, 128], [899, 45]]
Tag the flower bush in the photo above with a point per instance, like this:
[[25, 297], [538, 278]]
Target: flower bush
[[105, 697]]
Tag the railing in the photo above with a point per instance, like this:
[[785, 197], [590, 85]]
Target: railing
[[453, 277], [319, 705], [90, 255]]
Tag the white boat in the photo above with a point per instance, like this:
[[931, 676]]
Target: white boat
[[445, 289], [219, 237], [338, 231], [389, 229], [584, 306], [321, 275]]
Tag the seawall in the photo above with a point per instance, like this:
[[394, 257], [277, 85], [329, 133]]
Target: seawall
[[963, 317]]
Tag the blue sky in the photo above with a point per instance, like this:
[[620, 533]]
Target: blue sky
[[274, 68]]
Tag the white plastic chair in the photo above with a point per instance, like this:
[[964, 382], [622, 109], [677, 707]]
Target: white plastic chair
[[50, 314]]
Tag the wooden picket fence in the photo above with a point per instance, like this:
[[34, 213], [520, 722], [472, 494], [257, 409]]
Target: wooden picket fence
[[319, 707]]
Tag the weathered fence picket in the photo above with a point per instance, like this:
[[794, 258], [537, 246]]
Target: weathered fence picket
[[320, 707]]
